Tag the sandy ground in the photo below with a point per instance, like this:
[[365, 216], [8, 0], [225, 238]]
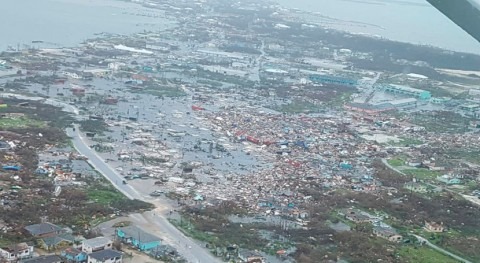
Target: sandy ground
[[138, 257], [472, 199], [460, 73]]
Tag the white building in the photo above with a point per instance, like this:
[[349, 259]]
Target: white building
[[116, 66], [96, 244], [16, 252]]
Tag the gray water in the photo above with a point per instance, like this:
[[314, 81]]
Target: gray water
[[412, 21], [69, 22]]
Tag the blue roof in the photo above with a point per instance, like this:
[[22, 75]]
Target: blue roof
[[11, 168]]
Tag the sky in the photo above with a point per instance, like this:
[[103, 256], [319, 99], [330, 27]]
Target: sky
[[475, 3]]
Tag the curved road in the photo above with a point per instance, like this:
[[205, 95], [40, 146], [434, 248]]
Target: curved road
[[441, 250], [157, 220]]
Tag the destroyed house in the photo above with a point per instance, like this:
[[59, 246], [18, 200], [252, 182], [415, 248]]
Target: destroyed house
[[387, 233]]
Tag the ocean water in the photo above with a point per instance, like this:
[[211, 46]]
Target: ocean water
[[412, 21], [69, 22]]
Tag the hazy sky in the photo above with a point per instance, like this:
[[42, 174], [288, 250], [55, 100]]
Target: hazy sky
[[476, 1]]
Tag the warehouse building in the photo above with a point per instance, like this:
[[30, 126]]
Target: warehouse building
[[325, 79], [405, 90]]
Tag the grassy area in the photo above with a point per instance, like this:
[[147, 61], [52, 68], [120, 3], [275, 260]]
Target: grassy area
[[162, 91], [442, 121], [190, 231], [339, 101], [245, 236], [423, 254], [95, 126], [468, 154], [21, 122], [38, 112], [297, 106], [396, 162], [405, 141], [122, 224], [104, 194], [4, 242], [422, 173]]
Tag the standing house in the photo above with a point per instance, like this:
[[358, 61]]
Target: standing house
[[74, 255], [434, 227], [16, 252], [44, 230], [55, 242], [50, 236], [96, 244], [105, 256], [138, 238]]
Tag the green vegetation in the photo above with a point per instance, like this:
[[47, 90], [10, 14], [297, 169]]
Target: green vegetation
[[122, 224], [104, 194], [212, 83], [222, 236], [442, 122], [190, 231], [297, 106], [95, 126], [39, 112], [468, 154], [4, 242], [162, 91], [462, 244], [339, 101], [422, 173], [20, 122], [423, 254], [273, 247], [396, 162], [406, 141]]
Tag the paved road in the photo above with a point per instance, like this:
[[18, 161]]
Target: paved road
[[99, 164], [154, 221], [384, 161], [441, 250]]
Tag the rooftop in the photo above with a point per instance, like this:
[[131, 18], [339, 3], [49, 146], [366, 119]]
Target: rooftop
[[96, 242], [402, 101], [72, 251], [42, 228], [17, 247], [43, 259], [103, 255], [139, 234], [406, 88]]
